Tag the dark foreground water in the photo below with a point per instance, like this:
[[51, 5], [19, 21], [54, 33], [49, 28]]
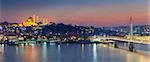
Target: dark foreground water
[[68, 53]]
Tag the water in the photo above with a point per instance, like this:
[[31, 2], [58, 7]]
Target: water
[[68, 53]]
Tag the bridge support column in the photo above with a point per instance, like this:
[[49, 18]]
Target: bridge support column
[[116, 44], [125, 45], [131, 46]]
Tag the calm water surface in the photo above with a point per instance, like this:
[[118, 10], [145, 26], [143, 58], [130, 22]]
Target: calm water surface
[[68, 53]]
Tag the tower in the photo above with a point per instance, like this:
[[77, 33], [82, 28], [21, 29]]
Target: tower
[[131, 28], [43, 20], [34, 18], [37, 19], [46, 20]]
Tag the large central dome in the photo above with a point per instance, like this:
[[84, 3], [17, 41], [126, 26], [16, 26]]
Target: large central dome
[[30, 22]]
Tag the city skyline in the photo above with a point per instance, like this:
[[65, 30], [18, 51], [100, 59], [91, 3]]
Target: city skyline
[[74, 30], [81, 12]]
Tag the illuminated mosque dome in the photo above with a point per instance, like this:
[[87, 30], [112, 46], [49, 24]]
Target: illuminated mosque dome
[[29, 22]]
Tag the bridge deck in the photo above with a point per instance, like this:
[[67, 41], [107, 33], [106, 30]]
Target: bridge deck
[[119, 39]]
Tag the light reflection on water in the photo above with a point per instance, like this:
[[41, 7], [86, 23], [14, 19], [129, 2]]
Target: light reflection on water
[[94, 53], [44, 52], [68, 53]]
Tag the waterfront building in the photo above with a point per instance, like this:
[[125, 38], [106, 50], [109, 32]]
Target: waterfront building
[[1, 36], [1, 28]]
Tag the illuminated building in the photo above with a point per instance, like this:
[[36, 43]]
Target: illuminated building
[[33, 21], [1, 28], [30, 22], [20, 25]]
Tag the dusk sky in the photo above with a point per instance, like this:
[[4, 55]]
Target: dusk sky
[[81, 12]]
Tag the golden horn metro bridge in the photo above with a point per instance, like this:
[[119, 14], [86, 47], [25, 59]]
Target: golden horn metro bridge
[[100, 38], [124, 43]]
